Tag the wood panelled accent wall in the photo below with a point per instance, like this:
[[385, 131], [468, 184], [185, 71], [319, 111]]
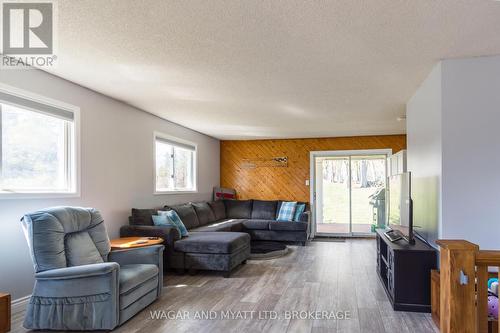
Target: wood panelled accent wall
[[272, 183]]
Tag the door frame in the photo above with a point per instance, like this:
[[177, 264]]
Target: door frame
[[312, 180]]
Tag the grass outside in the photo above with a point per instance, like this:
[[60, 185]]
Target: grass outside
[[336, 204]]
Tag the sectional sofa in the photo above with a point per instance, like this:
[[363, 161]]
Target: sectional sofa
[[220, 232]]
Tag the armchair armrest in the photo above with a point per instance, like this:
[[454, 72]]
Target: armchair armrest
[[77, 272], [306, 218], [139, 255], [78, 281], [169, 234]]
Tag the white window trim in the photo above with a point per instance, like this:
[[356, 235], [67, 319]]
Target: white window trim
[[75, 193], [195, 163]]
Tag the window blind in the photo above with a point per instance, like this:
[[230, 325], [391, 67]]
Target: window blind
[[36, 106], [176, 144]]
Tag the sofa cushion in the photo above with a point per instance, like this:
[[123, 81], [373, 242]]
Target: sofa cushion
[[287, 226], [204, 213], [222, 225], [287, 211], [142, 216], [299, 209], [264, 210], [219, 209], [238, 209], [256, 224], [132, 276], [278, 207], [163, 221], [304, 217], [174, 219], [280, 202], [213, 242], [187, 214]]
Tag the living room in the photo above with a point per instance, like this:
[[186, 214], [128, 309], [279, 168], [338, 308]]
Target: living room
[[249, 166]]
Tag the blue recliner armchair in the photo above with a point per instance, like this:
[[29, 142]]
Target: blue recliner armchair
[[80, 284]]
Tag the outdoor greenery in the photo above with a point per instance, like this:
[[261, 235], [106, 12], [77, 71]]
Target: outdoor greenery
[[336, 204], [173, 167], [367, 176], [33, 150]]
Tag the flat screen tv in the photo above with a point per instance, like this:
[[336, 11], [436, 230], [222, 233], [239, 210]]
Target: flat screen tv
[[401, 206]]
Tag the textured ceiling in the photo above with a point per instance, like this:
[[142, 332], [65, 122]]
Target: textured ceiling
[[262, 69]]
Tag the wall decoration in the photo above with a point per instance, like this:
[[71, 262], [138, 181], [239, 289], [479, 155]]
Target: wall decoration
[[273, 162]]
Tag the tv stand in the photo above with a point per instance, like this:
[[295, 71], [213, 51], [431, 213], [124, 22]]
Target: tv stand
[[405, 272]]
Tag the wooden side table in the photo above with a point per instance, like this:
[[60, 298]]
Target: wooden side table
[[132, 242], [5, 312]]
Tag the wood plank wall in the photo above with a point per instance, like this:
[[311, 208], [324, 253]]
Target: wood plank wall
[[273, 183]]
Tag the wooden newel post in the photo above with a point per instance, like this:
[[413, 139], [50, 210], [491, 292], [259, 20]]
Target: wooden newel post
[[457, 309]]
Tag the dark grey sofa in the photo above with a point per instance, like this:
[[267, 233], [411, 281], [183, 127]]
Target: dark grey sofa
[[220, 232]]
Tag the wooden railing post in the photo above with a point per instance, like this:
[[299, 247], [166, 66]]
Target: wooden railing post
[[484, 260], [457, 265], [482, 298]]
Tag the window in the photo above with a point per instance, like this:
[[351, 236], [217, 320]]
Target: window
[[175, 165], [37, 148]]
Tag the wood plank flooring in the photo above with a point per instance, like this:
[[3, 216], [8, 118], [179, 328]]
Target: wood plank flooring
[[323, 276]]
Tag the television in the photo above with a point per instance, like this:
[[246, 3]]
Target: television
[[400, 215]]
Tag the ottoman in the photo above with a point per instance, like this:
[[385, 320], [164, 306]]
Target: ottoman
[[215, 251]]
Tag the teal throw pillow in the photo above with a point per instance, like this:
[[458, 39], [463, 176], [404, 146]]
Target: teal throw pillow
[[299, 209], [163, 221], [287, 211], [173, 217]]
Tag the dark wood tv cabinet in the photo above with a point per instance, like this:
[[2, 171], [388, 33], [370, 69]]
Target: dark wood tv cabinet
[[405, 272]]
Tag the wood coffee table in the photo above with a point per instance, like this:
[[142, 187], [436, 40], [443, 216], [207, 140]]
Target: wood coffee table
[[132, 242]]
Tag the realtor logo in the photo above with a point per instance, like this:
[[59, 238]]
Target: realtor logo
[[28, 34], [27, 28]]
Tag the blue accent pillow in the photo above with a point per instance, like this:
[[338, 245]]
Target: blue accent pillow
[[163, 221], [174, 218], [287, 211], [299, 209]]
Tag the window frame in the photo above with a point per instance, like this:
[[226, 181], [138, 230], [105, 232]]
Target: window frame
[[72, 147], [194, 165]]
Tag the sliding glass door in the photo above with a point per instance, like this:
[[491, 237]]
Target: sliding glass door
[[332, 195], [348, 191]]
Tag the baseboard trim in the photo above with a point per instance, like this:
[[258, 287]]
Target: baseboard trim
[[19, 305]]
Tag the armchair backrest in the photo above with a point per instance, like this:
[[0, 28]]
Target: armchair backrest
[[61, 237]]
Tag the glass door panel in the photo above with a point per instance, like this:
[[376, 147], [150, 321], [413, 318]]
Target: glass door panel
[[368, 174], [332, 193]]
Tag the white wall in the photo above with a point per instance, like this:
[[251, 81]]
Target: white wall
[[453, 133], [116, 168], [423, 139], [471, 150]]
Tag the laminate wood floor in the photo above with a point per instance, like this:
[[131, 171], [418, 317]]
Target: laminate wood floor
[[330, 278]]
